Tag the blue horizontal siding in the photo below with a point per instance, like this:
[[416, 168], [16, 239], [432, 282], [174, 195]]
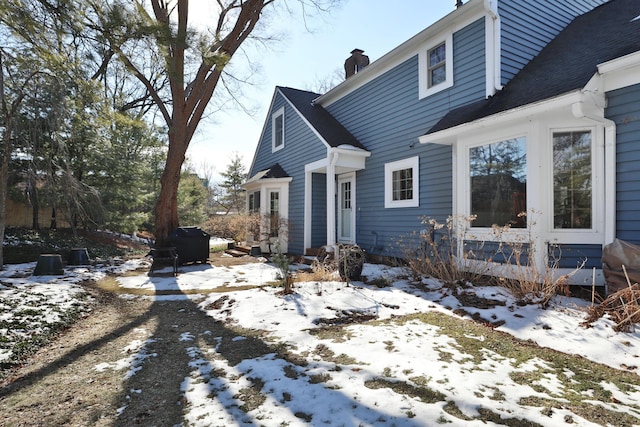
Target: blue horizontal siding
[[624, 109], [319, 210], [574, 255], [301, 146], [389, 126], [501, 253]]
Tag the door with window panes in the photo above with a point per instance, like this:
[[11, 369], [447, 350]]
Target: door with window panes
[[346, 207]]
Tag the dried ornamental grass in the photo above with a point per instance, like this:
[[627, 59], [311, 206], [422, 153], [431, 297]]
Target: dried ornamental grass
[[623, 307]]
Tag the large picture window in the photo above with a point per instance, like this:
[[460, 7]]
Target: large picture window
[[498, 183], [401, 183], [572, 180]]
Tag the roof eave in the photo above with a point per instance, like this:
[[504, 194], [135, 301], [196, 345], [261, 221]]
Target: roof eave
[[458, 18], [449, 136]]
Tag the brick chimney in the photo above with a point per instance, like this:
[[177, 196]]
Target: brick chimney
[[356, 62]]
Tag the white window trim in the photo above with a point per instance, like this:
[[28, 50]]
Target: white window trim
[[266, 186], [463, 185], [274, 116], [578, 235], [389, 168], [423, 68]]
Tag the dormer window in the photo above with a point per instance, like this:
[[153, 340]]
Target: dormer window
[[277, 130], [435, 71]]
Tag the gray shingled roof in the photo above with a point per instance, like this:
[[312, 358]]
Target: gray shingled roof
[[327, 126], [566, 64], [273, 171]]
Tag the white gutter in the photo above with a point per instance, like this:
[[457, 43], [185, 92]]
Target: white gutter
[[450, 135]]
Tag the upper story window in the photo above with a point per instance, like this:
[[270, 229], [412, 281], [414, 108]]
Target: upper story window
[[277, 130], [437, 63], [401, 181], [498, 183], [435, 69]]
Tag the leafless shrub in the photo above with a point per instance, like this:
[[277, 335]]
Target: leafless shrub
[[432, 252], [520, 274], [320, 272], [511, 262], [238, 227]]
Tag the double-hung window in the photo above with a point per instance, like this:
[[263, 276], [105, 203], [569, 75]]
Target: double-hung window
[[277, 130], [401, 183], [435, 67]]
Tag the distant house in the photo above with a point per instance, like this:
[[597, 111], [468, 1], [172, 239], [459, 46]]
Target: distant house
[[515, 112]]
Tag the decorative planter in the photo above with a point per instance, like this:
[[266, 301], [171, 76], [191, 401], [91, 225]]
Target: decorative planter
[[78, 256], [350, 262], [49, 265]]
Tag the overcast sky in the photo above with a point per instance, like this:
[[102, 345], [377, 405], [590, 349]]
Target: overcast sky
[[302, 59]]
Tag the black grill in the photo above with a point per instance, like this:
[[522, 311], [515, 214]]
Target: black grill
[[191, 243]]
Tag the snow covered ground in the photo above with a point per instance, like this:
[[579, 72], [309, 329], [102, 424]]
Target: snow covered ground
[[353, 378]]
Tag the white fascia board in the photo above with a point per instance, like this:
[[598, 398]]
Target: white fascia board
[[317, 165], [351, 151], [266, 182], [620, 72], [450, 136], [264, 127], [454, 21], [314, 130]]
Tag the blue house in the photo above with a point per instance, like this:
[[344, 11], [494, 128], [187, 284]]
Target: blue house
[[513, 113]]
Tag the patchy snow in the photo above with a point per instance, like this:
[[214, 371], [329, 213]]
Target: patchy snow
[[204, 276], [349, 380]]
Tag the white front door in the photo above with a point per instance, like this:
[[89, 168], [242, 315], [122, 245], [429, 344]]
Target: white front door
[[346, 208]]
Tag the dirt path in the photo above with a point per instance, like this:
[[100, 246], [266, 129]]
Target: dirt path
[[84, 377]]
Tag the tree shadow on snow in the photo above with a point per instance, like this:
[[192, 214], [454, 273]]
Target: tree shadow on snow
[[201, 370]]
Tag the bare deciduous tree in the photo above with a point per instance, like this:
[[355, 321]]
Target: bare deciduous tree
[[192, 60]]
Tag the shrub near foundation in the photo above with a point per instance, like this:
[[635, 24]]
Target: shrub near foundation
[[434, 253]]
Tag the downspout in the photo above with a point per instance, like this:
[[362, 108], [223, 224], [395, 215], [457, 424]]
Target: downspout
[[494, 57], [591, 111]]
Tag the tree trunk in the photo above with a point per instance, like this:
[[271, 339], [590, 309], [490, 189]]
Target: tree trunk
[[166, 210], [35, 203], [4, 182]]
